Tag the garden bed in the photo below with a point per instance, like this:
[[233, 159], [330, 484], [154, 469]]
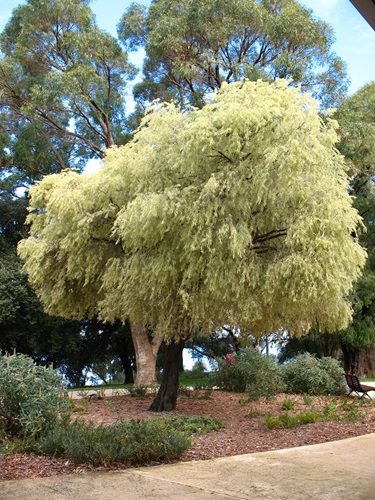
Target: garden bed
[[245, 429]]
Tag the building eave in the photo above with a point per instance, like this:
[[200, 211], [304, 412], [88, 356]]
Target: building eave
[[367, 9]]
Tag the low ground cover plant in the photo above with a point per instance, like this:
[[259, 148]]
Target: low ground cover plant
[[131, 442], [333, 408]]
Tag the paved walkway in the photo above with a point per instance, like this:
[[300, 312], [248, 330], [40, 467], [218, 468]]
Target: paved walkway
[[103, 392], [341, 470]]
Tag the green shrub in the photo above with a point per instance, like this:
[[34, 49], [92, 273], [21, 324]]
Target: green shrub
[[257, 375], [31, 397], [289, 421], [130, 442], [197, 372], [314, 376]]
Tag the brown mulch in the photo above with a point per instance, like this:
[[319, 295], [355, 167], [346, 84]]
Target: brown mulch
[[244, 432]]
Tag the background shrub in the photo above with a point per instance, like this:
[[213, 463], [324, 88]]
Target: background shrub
[[314, 376], [31, 397], [257, 375]]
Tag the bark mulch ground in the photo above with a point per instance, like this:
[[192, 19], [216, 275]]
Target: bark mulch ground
[[245, 430]]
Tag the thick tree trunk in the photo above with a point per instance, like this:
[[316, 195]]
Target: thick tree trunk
[[166, 397], [145, 356], [360, 362]]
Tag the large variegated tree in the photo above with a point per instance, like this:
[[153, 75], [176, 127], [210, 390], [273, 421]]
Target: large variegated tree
[[237, 213]]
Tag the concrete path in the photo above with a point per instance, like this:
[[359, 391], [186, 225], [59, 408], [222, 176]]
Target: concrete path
[[341, 470]]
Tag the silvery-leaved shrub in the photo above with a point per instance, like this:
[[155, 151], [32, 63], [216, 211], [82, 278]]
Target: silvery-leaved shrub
[[250, 372], [32, 397], [311, 375]]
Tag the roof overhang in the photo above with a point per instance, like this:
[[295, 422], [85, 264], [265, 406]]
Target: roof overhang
[[367, 9]]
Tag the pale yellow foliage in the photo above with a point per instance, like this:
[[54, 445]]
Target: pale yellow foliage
[[234, 214]]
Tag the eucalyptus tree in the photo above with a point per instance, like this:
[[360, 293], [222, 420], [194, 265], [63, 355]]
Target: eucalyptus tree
[[62, 82], [237, 213], [356, 117], [193, 46]]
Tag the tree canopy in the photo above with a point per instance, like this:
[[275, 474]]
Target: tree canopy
[[237, 213], [62, 81], [193, 46], [357, 129]]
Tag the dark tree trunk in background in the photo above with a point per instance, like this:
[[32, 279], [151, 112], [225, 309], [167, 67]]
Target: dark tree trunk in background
[[122, 345], [360, 362], [128, 369], [165, 399]]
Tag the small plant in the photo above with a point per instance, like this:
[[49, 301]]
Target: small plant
[[203, 393], [308, 400], [195, 424], [82, 407], [272, 422], [139, 392], [352, 410], [254, 414], [307, 417], [289, 421], [245, 400], [330, 411], [288, 404]]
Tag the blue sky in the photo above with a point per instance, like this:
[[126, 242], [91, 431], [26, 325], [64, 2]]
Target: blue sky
[[355, 40]]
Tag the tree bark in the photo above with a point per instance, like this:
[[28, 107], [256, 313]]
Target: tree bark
[[145, 356], [165, 399], [360, 362]]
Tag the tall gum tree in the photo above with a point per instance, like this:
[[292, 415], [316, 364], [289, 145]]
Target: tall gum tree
[[356, 117], [62, 82], [194, 46], [237, 213]]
